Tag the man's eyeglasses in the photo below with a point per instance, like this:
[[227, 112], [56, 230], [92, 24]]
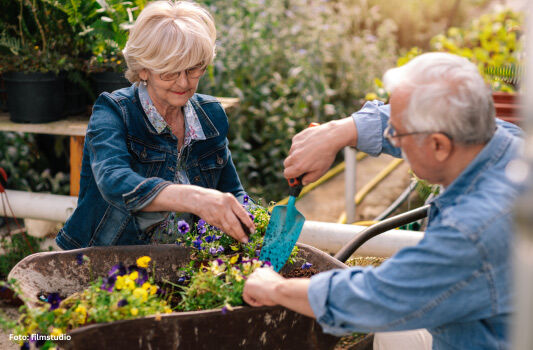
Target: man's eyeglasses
[[392, 136], [191, 73]]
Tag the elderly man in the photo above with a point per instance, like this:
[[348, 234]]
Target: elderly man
[[456, 281]]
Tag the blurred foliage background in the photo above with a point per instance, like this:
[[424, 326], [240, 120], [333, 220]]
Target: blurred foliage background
[[290, 62]]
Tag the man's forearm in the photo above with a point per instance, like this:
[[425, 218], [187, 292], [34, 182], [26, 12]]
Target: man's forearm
[[292, 294]]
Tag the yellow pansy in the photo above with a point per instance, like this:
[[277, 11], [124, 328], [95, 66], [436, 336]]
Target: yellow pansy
[[129, 283], [119, 62], [134, 275], [153, 290], [168, 310], [81, 310], [146, 286], [56, 332], [134, 311], [234, 259], [119, 284], [143, 260], [140, 293]]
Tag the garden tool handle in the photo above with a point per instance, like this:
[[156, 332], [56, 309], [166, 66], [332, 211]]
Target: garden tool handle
[[295, 184]]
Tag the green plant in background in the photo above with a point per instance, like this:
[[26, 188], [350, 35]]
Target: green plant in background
[[494, 42], [15, 248], [291, 63]]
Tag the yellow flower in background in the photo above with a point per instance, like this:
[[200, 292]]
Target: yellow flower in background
[[134, 311], [113, 59], [56, 332], [168, 310], [140, 293], [246, 267], [236, 274], [119, 62], [129, 283], [36, 47], [143, 260], [146, 286]]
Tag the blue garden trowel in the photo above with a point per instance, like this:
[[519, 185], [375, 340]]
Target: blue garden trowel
[[283, 229]]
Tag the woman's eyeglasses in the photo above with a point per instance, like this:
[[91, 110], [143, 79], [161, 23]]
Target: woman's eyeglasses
[[190, 73]]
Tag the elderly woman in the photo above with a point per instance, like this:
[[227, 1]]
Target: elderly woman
[[157, 147]]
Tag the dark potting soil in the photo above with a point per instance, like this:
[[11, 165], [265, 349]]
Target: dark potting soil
[[296, 273]]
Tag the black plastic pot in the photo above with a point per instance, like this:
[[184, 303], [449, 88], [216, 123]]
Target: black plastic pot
[[108, 81], [3, 95], [75, 98], [35, 97]]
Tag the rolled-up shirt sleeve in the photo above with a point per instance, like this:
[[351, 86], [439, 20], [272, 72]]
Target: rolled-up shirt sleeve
[[371, 121], [420, 287]]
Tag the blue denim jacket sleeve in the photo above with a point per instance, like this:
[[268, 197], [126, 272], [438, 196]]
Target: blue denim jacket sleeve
[[229, 180], [110, 160], [433, 283]]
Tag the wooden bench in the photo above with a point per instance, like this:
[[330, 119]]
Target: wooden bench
[[75, 127]]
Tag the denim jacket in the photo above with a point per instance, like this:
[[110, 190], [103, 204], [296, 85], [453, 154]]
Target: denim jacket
[[126, 164], [456, 281]]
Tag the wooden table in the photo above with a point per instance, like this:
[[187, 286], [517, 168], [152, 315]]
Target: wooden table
[[75, 127]]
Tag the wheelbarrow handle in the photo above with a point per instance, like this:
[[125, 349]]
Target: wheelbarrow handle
[[376, 229]]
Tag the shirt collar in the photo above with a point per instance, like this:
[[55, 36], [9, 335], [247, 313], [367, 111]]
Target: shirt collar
[[193, 128], [489, 155]]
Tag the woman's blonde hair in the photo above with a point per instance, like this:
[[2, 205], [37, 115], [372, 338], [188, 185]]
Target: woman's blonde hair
[[170, 36]]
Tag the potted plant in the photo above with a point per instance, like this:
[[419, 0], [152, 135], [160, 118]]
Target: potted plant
[[34, 49], [110, 34]]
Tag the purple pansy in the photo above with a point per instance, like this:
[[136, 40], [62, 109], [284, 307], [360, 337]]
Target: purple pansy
[[213, 251], [245, 199], [224, 310], [220, 249], [25, 346], [108, 283], [54, 300], [122, 302], [306, 265], [183, 227], [251, 216], [202, 229], [143, 274], [267, 263], [79, 258], [208, 239], [257, 252], [217, 237], [197, 243], [117, 270]]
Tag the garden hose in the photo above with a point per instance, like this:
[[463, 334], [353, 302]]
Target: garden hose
[[399, 201], [326, 177], [371, 185]]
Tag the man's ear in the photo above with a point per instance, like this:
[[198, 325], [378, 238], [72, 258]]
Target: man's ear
[[442, 146]]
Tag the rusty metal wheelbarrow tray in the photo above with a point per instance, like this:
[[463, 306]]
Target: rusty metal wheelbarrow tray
[[243, 328]]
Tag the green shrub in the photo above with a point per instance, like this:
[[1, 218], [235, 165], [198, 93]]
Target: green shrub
[[291, 63]]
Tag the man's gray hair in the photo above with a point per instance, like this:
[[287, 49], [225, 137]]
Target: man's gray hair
[[447, 94]]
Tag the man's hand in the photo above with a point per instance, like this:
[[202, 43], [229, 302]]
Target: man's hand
[[314, 149], [260, 287]]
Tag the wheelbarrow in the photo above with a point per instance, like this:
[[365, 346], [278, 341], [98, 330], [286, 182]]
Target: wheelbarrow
[[243, 328]]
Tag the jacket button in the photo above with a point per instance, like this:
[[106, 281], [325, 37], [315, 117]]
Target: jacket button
[[196, 179], [219, 160], [143, 153]]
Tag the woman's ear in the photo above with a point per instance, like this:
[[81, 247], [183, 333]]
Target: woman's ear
[[442, 146], [143, 74]]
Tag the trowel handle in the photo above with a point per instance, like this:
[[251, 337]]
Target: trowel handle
[[295, 186]]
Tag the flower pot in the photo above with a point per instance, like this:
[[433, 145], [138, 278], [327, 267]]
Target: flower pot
[[34, 97], [75, 98], [508, 107], [108, 81], [3, 95], [242, 328]]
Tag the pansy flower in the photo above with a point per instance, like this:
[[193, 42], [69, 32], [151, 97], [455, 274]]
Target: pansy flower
[[183, 227], [122, 302], [54, 300], [197, 243], [213, 251], [108, 283], [220, 249], [117, 270], [208, 239], [143, 261], [306, 265], [79, 258]]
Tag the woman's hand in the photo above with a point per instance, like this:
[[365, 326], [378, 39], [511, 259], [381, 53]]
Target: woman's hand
[[224, 211], [218, 209], [260, 287], [314, 149]]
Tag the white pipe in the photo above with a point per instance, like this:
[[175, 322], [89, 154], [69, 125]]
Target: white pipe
[[350, 159], [331, 237], [42, 206]]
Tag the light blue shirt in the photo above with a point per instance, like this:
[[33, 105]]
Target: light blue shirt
[[456, 281]]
